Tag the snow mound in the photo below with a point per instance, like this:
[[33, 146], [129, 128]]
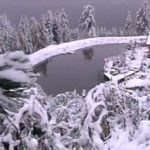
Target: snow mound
[[134, 83], [70, 47]]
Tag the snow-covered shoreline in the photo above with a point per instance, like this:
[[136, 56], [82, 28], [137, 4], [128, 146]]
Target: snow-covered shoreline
[[70, 47]]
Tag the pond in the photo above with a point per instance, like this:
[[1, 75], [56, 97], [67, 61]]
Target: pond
[[82, 70]]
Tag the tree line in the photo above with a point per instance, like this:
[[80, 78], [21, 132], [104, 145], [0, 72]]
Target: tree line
[[31, 35]]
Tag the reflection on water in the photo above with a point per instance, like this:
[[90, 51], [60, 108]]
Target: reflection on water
[[88, 53], [72, 71], [43, 68]]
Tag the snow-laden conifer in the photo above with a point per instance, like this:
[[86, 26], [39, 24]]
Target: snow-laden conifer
[[128, 25], [35, 34], [142, 19], [65, 31], [24, 34], [57, 28], [87, 23]]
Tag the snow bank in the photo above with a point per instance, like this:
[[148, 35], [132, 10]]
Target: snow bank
[[15, 66], [133, 83], [71, 47], [14, 75]]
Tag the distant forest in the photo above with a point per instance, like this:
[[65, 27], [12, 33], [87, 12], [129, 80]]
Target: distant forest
[[31, 35]]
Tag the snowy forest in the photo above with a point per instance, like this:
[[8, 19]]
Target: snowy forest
[[31, 35], [110, 116]]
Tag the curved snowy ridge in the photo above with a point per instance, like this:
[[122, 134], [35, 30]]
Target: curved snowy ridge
[[70, 47]]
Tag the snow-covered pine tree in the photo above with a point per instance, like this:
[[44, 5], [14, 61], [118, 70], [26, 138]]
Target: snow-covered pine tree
[[44, 40], [57, 28], [10, 40], [35, 33], [3, 48], [8, 36], [24, 35], [49, 27], [128, 25], [109, 33], [142, 19], [98, 31], [65, 31], [114, 31], [102, 31], [120, 32], [87, 23], [5, 23], [74, 34]]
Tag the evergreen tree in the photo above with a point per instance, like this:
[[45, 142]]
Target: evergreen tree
[[120, 32], [8, 40], [24, 34], [49, 27], [5, 24], [87, 23], [128, 25], [2, 42], [57, 28], [44, 40], [65, 31], [109, 33], [102, 32], [74, 34], [35, 33], [46, 27], [97, 30], [114, 31], [142, 19]]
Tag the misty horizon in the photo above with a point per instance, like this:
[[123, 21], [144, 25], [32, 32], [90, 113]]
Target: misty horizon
[[107, 13]]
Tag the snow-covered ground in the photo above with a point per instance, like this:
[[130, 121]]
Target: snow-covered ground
[[131, 137], [119, 77], [129, 65], [70, 47], [134, 83]]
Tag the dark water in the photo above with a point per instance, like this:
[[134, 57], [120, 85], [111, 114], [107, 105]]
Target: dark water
[[108, 12], [82, 70]]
